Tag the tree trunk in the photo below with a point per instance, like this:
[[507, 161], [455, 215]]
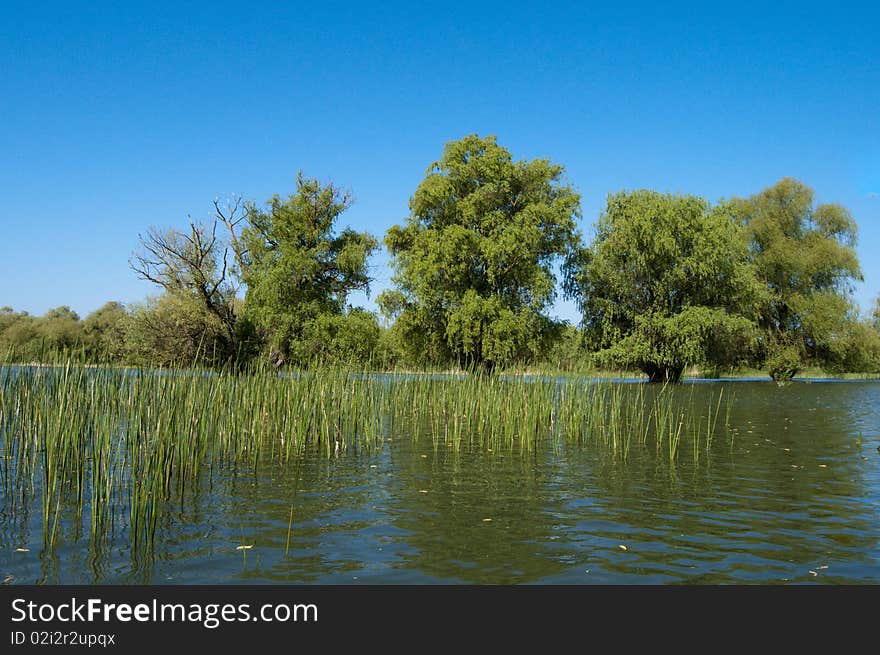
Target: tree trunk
[[663, 373]]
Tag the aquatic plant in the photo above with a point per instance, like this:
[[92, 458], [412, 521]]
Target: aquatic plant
[[118, 446]]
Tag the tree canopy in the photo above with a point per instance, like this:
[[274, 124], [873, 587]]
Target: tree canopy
[[666, 283], [474, 261], [298, 270], [804, 254], [104, 331]]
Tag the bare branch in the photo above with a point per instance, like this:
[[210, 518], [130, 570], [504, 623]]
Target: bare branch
[[231, 220]]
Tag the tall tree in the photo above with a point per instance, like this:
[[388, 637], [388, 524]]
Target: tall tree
[[805, 256], [474, 261], [297, 269], [666, 284]]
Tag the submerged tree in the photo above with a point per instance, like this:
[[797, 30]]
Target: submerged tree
[[665, 284], [805, 256], [298, 270], [474, 262]]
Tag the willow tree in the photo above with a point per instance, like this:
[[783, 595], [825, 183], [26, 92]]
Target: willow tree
[[193, 268], [665, 284], [104, 331], [805, 256], [299, 270], [474, 261]]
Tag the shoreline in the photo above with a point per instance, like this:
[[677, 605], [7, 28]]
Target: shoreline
[[694, 374]]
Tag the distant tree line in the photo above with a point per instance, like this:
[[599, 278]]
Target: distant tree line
[[666, 282]]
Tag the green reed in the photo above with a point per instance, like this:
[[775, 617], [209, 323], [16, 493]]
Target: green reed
[[120, 445]]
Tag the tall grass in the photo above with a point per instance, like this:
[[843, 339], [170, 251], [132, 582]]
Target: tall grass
[[111, 445]]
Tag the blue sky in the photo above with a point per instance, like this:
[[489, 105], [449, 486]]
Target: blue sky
[[118, 116]]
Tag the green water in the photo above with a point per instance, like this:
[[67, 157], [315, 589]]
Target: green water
[[787, 495]]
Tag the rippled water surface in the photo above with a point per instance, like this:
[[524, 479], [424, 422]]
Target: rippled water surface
[[790, 494]]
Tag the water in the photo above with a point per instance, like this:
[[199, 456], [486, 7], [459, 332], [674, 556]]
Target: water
[[788, 496]]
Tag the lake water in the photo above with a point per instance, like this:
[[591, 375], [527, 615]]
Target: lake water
[[791, 495]]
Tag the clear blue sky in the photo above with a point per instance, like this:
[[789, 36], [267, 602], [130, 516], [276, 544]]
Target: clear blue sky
[[118, 116]]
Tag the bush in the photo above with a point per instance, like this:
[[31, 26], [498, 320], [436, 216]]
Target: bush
[[784, 363]]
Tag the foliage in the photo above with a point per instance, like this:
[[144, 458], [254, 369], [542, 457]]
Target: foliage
[[666, 284], [805, 256], [855, 350], [351, 338], [192, 267], [174, 330], [783, 362], [104, 332], [60, 329], [298, 270], [569, 353], [30, 338], [474, 261], [19, 335], [669, 281]]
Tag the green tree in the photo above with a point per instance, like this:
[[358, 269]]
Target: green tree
[[569, 353], [805, 256], [104, 331], [666, 284], [875, 315], [19, 335], [351, 338], [174, 329], [297, 269], [474, 262], [10, 318], [855, 349], [61, 329], [30, 338]]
